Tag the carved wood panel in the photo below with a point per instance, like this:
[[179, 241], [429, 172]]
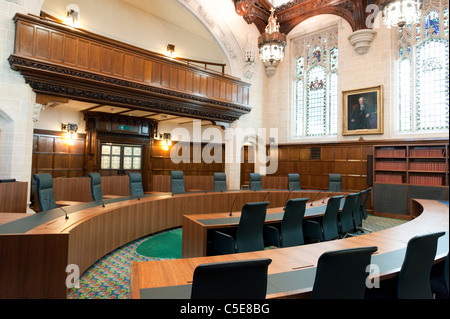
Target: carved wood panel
[[57, 60]]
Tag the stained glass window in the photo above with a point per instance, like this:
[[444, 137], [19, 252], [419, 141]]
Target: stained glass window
[[315, 112], [445, 21], [432, 85], [423, 86], [405, 95], [316, 55], [316, 85], [299, 108], [334, 58], [432, 22], [333, 103]]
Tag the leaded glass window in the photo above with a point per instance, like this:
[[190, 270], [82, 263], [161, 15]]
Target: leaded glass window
[[423, 71], [120, 157], [316, 84]]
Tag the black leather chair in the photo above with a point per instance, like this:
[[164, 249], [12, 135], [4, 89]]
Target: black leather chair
[[294, 182], [342, 274], [243, 279], [326, 228], [96, 186], [255, 182], [357, 220], [290, 232], [364, 203], [44, 191], [177, 182], [249, 233], [136, 188], [413, 280], [346, 225], [361, 209], [439, 279], [335, 182], [220, 182]]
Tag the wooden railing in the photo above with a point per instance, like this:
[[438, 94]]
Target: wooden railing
[[78, 64]]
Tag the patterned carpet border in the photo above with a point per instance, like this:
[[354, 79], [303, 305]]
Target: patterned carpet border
[[109, 278]]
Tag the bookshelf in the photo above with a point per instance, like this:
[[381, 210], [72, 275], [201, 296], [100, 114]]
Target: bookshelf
[[402, 172]]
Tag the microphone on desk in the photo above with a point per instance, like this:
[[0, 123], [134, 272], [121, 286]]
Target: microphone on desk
[[58, 206], [329, 196], [231, 210], [103, 203], [287, 199], [265, 196], [315, 197]]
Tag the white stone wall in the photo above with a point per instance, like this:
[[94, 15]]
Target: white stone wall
[[16, 100]]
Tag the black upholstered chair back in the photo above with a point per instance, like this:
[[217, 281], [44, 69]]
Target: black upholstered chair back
[[346, 216], [220, 182], [292, 223], [330, 219], [44, 191], [177, 182], [96, 186], [414, 277], [342, 274], [243, 279], [294, 182], [136, 188], [249, 234], [335, 182], [255, 182]]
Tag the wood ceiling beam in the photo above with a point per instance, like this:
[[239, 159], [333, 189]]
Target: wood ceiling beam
[[292, 13]]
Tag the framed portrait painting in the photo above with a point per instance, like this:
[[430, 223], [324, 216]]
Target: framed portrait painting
[[363, 111]]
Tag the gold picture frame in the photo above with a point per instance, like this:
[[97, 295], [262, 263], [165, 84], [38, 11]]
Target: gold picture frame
[[363, 111]]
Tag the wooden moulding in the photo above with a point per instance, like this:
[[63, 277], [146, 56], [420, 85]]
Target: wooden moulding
[[77, 64]]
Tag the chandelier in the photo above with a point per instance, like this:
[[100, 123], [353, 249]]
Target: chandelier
[[401, 12], [271, 45]]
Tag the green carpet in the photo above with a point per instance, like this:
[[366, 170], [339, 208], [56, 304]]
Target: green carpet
[[165, 245]]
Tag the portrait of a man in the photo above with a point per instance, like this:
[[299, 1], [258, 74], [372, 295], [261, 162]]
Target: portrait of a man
[[362, 115], [363, 111]]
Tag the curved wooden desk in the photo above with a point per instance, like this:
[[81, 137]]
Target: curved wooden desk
[[35, 250], [292, 271]]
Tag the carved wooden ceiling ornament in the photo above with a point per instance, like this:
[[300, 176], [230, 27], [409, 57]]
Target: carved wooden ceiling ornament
[[294, 12]]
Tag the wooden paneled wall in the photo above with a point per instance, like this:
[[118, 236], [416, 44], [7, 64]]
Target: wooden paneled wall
[[79, 189], [192, 161], [13, 197], [312, 161], [52, 155], [315, 161]]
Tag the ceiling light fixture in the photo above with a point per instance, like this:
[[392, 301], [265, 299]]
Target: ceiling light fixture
[[271, 45], [398, 13]]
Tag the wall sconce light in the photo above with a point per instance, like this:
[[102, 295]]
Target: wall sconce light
[[171, 50], [69, 132], [73, 16], [165, 141]]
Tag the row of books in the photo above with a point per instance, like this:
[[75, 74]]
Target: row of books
[[389, 152], [426, 180], [391, 165], [427, 166], [389, 178], [427, 152]]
